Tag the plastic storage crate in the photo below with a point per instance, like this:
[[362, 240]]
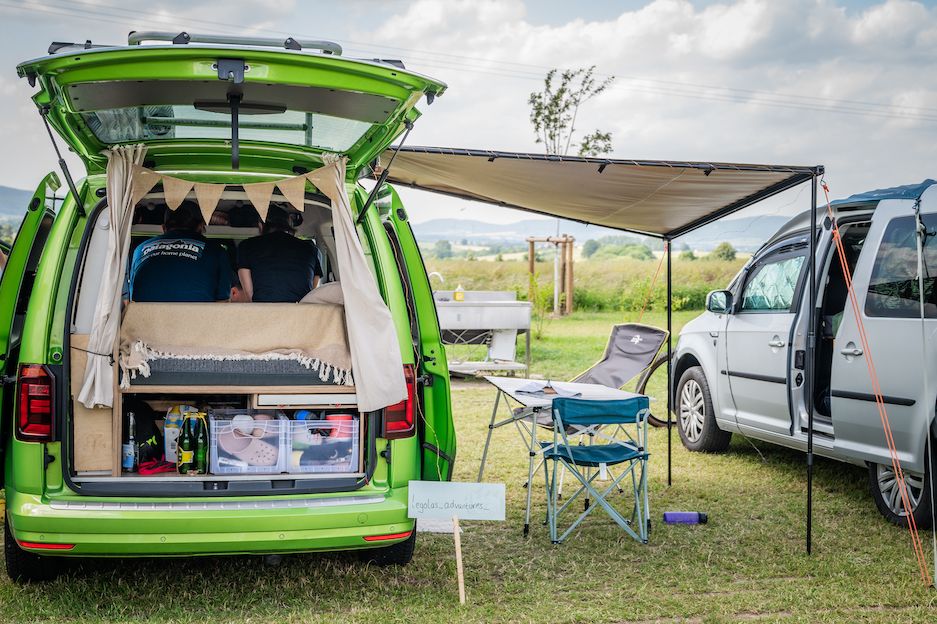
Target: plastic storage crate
[[239, 446], [329, 443]]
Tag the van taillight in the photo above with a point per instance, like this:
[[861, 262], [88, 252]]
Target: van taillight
[[398, 418], [34, 411]]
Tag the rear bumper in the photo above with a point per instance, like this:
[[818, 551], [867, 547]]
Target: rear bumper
[[231, 526]]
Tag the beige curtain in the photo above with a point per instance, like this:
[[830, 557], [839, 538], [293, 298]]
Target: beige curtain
[[372, 338], [97, 388]]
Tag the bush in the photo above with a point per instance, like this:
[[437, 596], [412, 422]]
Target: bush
[[723, 251], [589, 248], [687, 254], [442, 249], [638, 252]]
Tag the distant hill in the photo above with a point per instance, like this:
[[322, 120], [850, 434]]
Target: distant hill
[[745, 233], [13, 201]]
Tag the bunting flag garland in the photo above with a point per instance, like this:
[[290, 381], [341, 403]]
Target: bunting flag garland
[[259, 194], [176, 190], [294, 191], [207, 196]]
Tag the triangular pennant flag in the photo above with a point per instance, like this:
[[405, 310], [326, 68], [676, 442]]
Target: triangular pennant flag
[[175, 191], [260, 194], [294, 190], [143, 182], [207, 196]]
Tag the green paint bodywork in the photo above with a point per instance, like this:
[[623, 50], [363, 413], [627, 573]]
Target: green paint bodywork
[[37, 494]]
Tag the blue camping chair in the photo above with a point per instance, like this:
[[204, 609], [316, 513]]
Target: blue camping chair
[[605, 424]]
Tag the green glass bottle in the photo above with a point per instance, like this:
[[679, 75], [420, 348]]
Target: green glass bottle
[[201, 448], [186, 449]]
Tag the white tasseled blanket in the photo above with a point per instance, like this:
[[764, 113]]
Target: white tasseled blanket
[[313, 335]]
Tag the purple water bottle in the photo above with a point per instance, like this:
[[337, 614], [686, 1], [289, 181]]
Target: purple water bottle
[[685, 517]]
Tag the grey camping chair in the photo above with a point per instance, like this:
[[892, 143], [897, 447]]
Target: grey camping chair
[[631, 350]]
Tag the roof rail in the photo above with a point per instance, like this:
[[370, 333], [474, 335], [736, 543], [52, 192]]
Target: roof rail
[[182, 38]]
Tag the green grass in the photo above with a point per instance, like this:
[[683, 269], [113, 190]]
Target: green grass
[[748, 563]]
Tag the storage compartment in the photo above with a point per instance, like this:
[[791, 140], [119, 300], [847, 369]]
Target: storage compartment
[[247, 441], [324, 442]]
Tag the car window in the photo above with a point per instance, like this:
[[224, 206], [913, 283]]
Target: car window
[[893, 287], [772, 284]]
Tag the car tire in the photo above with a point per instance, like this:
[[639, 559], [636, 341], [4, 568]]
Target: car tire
[[23, 566], [399, 554], [696, 420], [885, 493]]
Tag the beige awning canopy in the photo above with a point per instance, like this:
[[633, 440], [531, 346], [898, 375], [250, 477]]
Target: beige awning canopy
[[659, 198]]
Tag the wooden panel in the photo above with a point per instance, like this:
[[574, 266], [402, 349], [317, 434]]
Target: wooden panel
[[93, 428]]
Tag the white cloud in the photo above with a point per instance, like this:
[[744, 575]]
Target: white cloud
[[784, 78]]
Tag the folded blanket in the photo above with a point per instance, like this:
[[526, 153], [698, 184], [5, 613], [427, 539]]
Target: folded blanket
[[313, 335]]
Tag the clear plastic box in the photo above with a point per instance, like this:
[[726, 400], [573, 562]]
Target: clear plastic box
[[242, 443], [326, 445]]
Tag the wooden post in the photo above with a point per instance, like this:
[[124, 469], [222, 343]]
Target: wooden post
[[569, 274], [458, 556], [532, 268]]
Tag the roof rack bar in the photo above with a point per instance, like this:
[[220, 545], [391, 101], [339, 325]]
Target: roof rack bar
[[289, 43]]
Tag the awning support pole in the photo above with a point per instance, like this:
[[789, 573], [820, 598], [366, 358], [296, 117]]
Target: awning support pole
[[44, 113], [667, 246], [809, 368], [383, 177]]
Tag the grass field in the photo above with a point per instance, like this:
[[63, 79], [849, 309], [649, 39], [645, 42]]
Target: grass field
[[747, 564]]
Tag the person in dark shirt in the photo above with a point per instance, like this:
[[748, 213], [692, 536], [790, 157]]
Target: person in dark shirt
[[180, 264], [276, 266]]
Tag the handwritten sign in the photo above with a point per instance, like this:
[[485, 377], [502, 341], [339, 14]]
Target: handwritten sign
[[465, 501]]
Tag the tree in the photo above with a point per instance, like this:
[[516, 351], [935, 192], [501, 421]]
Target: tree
[[590, 247], [442, 249], [553, 111], [723, 251], [687, 254]]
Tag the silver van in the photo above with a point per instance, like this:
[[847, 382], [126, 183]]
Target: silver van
[[739, 367]]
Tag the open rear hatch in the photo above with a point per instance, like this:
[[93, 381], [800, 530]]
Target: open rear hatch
[[192, 103], [212, 109]]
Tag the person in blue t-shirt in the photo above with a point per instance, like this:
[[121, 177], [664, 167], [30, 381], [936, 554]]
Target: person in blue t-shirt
[[276, 266], [180, 264]]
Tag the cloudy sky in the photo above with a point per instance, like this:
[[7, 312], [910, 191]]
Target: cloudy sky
[[845, 83]]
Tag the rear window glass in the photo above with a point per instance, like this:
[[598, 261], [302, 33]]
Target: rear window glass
[[894, 290], [149, 123]]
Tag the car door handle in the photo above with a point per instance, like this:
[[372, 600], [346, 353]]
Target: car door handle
[[851, 351], [776, 343]]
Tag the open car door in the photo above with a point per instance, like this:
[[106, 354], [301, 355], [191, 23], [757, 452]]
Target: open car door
[[16, 284]]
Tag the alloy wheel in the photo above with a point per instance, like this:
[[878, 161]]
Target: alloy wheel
[[891, 493], [692, 410]]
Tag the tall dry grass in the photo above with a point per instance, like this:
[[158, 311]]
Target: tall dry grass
[[619, 284]]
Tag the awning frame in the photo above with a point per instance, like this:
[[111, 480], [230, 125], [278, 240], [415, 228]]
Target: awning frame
[[797, 175]]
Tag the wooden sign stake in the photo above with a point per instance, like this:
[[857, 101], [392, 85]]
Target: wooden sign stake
[[458, 558]]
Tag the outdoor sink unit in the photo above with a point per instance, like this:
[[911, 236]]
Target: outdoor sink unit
[[487, 317]]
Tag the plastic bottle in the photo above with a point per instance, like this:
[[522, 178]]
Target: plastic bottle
[[458, 294], [129, 450]]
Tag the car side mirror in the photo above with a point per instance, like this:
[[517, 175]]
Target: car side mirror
[[719, 302]]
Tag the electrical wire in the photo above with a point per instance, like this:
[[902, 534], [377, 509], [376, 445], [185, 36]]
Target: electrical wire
[[526, 71]]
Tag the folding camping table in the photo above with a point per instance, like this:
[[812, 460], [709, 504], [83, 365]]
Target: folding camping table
[[534, 411]]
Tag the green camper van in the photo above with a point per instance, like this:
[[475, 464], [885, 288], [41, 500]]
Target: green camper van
[[227, 113]]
